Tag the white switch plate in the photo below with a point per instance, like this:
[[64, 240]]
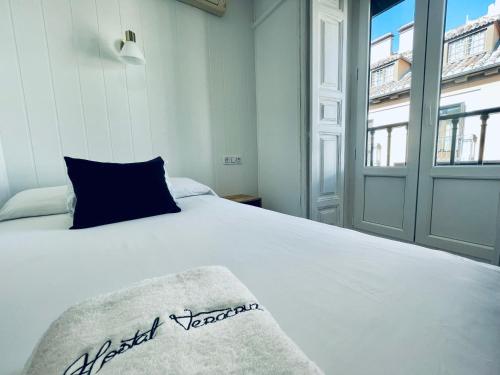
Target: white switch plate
[[231, 159]]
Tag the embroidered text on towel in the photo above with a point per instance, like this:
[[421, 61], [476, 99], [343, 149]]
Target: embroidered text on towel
[[207, 317], [84, 366]]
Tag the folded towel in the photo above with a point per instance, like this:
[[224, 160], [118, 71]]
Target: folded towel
[[202, 321]]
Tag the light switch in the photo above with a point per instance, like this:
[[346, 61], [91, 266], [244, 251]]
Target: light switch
[[232, 159]]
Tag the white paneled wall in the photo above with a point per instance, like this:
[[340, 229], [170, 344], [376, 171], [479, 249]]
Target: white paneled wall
[[63, 90], [280, 50]]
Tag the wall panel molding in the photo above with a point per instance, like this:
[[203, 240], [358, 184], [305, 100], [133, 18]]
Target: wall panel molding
[[64, 90], [330, 111], [329, 215], [332, 45], [279, 49], [330, 156]]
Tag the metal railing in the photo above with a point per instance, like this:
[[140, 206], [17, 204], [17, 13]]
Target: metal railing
[[371, 141], [484, 115]]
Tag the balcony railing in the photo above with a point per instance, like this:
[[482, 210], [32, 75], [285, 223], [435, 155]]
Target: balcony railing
[[371, 143], [484, 115]]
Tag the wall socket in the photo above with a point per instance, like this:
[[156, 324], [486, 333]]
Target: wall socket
[[231, 159]]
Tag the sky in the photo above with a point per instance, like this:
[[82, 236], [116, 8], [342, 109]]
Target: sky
[[457, 10]]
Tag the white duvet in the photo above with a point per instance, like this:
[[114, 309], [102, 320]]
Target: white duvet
[[354, 303]]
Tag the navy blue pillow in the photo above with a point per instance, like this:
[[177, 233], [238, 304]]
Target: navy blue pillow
[[111, 192]]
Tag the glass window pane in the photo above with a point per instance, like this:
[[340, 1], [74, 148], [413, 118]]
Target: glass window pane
[[492, 140], [470, 82], [398, 147], [443, 151], [380, 148], [467, 149], [477, 43], [391, 49]]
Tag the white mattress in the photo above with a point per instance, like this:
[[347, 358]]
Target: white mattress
[[355, 304]]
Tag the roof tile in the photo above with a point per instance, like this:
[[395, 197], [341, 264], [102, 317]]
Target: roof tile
[[470, 64]]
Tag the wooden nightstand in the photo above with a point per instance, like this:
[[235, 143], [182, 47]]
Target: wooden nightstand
[[245, 199]]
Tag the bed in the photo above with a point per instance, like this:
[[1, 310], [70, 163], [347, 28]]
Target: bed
[[355, 304]]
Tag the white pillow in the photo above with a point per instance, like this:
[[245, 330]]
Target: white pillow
[[168, 179], [185, 187], [70, 199], [179, 187], [36, 202]]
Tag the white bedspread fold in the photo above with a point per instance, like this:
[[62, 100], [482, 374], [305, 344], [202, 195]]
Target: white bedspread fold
[[201, 321]]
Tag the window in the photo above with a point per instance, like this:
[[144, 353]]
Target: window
[[388, 114], [467, 46], [445, 132], [381, 76], [458, 142], [386, 145]]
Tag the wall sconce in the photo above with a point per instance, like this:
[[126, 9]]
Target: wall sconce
[[130, 52]]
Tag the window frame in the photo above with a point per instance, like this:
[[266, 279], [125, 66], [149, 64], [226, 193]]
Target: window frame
[[384, 70], [461, 108], [467, 49]]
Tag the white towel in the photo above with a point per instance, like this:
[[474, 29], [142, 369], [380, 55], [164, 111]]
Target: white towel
[[202, 321]]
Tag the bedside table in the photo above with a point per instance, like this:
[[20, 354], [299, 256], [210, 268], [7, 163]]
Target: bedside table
[[245, 199]]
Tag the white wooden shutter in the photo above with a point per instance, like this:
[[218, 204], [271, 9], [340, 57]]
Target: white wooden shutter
[[328, 94]]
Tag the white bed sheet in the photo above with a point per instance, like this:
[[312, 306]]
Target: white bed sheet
[[356, 304]]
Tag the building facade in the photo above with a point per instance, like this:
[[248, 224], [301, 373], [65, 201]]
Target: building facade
[[470, 81]]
